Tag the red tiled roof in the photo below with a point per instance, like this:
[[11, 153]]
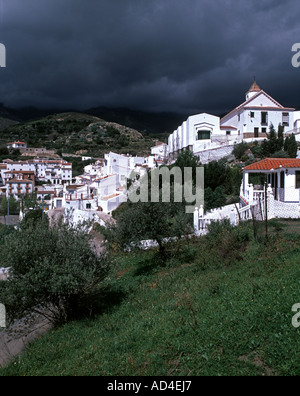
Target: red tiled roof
[[268, 164], [248, 101], [45, 192], [20, 172], [20, 181], [227, 127], [74, 186], [111, 196]]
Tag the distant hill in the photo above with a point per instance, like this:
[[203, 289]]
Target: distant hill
[[78, 133], [146, 122], [152, 123], [28, 113]]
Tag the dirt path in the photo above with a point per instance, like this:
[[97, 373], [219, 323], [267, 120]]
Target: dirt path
[[14, 340]]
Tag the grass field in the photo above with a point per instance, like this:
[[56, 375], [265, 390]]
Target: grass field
[[221, 305]]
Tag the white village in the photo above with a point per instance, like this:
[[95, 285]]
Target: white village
[[101, 189], [149, 191]]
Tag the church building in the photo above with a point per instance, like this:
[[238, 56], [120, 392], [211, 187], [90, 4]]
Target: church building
[[250, 121]]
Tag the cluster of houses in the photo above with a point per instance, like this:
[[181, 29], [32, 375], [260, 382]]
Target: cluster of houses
[[94, 194], [19, 178], [102, 186]]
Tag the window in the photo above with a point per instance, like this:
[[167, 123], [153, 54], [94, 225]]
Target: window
[[264, 130], [252, 114], [282, 179], [273, 179], [285, 119], [228, 133], [203, 135], [88, 206], [297, 179], [264, 118]]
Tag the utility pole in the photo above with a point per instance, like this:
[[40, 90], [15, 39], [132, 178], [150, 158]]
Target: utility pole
[[266, 214], [8, 209]]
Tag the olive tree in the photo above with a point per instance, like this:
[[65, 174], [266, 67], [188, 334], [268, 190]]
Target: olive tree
[[52, 271], [155, 221]]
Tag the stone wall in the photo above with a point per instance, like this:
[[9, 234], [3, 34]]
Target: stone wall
[[215, 154]]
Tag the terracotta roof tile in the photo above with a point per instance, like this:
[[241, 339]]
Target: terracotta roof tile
[[268, 164]]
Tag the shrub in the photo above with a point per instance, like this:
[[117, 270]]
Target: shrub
[[226, 243], [52, 271], [240, 149]]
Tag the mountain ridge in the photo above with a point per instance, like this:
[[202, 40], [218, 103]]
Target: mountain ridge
[[143, 121]]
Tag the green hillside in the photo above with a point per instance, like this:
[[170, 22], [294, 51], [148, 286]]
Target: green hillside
[[222, 305], [78, 133]]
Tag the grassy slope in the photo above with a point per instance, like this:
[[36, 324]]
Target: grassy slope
[[199, 315]]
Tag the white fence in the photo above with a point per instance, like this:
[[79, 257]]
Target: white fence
[[255, 209], [233, 213]]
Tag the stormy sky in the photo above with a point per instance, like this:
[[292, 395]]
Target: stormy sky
[[184, 56]]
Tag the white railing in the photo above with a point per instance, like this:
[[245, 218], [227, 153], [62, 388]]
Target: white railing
[[295, 131], [235, 215], [258, 195], [203, 224], [251, 195], [245, 213]]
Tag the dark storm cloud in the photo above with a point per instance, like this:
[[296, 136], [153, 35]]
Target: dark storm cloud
[[176, 55]]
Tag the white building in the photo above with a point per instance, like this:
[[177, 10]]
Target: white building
[[17, 174], [249, 121], [281, 174], [53, 171], [122, 165], [102, 194], [253, 118], [16, 145], [24, 166], [19, 187], [160, 151], [282, 192]]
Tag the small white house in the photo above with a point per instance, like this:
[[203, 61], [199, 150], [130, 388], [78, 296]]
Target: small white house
[[19, 188], [17, 145], [282, 176], [160, 151], [53, 171], [272, 181]]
